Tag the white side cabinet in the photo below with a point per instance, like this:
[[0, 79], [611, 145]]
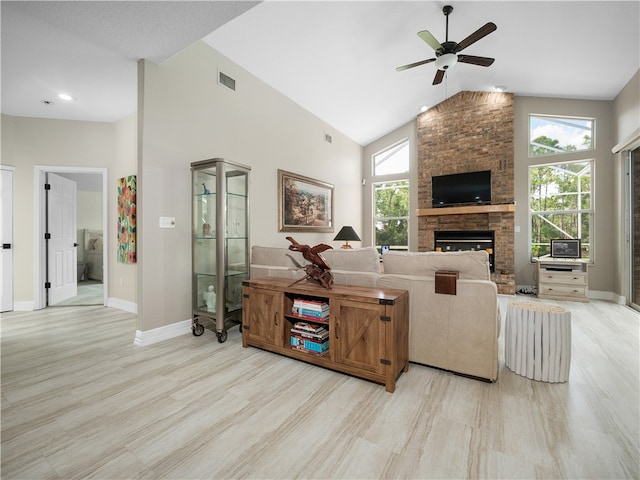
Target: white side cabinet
[[563, 279]]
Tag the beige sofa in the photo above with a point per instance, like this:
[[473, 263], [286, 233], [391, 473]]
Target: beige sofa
[[452, 332], [358, 266]]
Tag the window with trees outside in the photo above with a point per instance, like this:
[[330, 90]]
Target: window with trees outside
[[556, 135], [391, 196], [560, 205], [560, 194]]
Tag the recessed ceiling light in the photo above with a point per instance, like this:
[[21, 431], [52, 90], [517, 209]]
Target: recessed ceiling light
[[66, 97]]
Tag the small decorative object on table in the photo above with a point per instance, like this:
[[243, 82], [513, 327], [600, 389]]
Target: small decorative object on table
[[318, 270]]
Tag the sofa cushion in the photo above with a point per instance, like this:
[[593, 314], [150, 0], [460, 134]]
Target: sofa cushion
[[364, 259], [276, 257], [471, 265]]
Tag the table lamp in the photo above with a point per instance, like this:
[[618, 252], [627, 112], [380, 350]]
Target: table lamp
[[348, 234]]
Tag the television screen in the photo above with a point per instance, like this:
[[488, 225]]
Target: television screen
[[472, 188], [565, 248]]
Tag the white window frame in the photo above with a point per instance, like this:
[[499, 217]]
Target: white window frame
[[581, 211], [388, 178], [561, 119]]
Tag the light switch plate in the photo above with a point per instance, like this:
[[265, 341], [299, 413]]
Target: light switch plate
[[167, 222]]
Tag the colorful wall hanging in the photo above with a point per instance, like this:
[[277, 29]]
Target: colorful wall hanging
[[127, 219]]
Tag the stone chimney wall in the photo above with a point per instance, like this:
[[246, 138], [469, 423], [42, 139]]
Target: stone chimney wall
[[468, 132]]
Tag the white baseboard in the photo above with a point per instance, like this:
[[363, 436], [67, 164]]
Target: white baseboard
[[130, 307], [149, 337], [23, 306]]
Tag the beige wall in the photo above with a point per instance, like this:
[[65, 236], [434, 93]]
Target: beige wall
[[123, 278], [31, 142], [601, 273], [88, 204], [185, 116], [626, 107]]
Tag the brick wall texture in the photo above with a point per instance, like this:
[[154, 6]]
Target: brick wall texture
[[468, 132]]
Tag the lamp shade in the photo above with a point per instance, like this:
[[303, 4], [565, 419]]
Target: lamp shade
[[347, 234]]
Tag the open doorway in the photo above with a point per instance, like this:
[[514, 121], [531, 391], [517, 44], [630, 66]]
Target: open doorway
[[90, 270]]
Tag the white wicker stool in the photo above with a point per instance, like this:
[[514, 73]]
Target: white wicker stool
[[538, 341]]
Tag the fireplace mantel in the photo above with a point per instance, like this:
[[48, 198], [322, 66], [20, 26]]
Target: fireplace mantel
[[466, 210]]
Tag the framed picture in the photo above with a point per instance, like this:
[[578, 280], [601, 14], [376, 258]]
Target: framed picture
[[304, 204], [565, 248]]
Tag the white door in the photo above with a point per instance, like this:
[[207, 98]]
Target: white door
[[6, 237], [62, 251]]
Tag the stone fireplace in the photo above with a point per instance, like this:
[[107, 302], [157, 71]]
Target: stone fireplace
[[455, 241], [470, 131]]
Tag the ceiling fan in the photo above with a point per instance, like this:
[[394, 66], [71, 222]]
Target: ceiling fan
[[447, 52]]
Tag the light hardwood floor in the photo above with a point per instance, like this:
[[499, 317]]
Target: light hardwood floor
[[79, 400]]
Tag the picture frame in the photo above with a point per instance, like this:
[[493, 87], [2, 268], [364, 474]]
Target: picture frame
[[304, 204], [565, 248]]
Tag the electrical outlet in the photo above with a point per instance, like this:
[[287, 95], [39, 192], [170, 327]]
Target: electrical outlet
[[121, 281]]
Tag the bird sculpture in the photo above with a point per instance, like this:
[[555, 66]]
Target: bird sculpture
[[205, 190], [318, 270]]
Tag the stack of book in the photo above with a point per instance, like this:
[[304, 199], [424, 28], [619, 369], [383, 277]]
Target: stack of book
[[311, 309], [309, 337]]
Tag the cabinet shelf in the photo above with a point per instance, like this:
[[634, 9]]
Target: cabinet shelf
[[368, 327], [220, 211]]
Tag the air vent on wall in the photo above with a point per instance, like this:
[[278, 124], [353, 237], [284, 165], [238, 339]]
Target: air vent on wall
[[227, 81]]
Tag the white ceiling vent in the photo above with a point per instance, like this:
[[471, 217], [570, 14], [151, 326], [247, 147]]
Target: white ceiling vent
[[226, 80]]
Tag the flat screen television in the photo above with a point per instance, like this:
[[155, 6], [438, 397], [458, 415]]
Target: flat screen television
[[565, 248], [471, 188]]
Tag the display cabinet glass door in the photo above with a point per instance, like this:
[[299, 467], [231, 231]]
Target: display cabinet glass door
[[221, 243]]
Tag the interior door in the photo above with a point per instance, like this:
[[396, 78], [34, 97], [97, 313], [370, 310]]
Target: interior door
[[62, 251], [6, 237]]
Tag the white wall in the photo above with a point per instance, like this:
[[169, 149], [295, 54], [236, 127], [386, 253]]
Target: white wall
[[185, 116]]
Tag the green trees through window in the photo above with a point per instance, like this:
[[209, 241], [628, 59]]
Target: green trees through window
[[560, 202], [391, 196]]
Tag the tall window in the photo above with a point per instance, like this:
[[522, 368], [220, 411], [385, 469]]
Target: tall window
[[561, 205], [391, 196]]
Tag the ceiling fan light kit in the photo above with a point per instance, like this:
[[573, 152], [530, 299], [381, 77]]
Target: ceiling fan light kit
[[447, 52], [445, 61]]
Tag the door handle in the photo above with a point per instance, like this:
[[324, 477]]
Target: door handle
[[6, 246], [75, 244]]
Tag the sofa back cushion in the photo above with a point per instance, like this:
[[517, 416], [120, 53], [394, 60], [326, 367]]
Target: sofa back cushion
[[276, 257], [471, 265], [364, 259]]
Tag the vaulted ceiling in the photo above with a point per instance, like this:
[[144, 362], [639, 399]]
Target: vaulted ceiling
[[336, 59]]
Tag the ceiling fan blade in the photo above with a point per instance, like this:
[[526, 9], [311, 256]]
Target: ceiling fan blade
[[430, 40], [473, 60], [477, 35], [438, 78], [416, 64]]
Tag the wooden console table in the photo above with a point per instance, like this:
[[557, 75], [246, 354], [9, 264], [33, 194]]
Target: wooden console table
[[368, 327]]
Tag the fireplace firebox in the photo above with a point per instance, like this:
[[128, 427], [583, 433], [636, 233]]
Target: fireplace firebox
[[454, 241]]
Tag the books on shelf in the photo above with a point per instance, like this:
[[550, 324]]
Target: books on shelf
[[309, 345], [310, 338], [310, 308]]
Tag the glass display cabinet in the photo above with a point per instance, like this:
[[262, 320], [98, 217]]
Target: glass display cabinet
[[220, 251]]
